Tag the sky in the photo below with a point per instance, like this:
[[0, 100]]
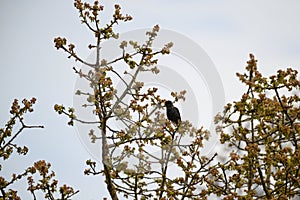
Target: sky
[[225, 32]]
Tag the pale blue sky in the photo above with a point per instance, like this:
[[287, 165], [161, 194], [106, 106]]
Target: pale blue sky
[[30, 66]]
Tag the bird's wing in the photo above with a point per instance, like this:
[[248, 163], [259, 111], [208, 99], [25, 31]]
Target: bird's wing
[[177, 113]]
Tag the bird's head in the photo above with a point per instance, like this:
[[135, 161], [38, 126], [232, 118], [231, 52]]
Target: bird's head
[[168, 104]]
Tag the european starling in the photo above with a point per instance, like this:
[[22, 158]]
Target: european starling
[[173, 113]]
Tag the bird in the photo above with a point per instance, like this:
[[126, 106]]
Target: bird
[[173, 113]]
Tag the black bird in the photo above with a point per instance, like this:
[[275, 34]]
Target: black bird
[[173, 113]]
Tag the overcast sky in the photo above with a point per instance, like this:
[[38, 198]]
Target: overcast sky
[[30, 65]]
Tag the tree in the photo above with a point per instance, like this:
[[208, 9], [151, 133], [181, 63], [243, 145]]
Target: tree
[[47, 184], [128, 166], [259, 134], [262, 132]]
